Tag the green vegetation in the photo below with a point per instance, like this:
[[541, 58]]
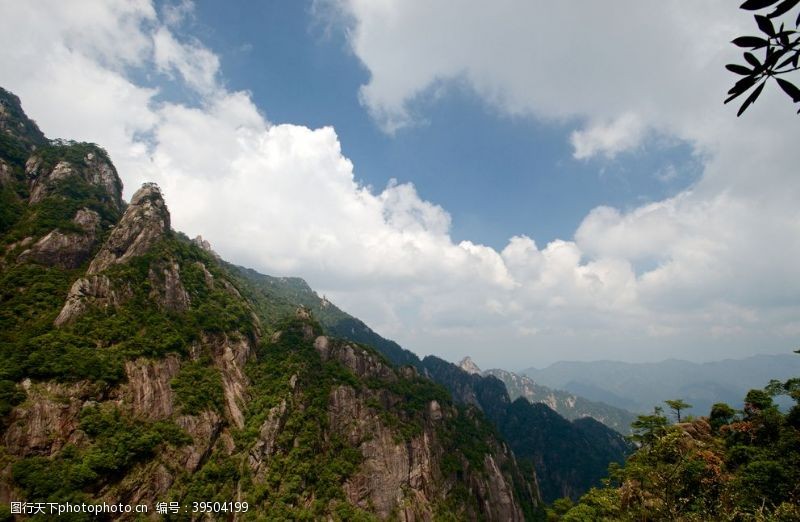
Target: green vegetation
[[730, 466], [677, 405], [198, 387], [118, 443], [305, 466]]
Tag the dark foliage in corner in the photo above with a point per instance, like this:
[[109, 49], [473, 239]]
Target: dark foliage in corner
[[779, 48]]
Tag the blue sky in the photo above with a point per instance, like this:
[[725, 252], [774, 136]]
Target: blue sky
[[522, 182], [498, 176]]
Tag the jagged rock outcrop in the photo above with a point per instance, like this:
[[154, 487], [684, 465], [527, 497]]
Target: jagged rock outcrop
[[96, 291], [355, 359], [205, 245], [469, 366], [14, 122], [94, 168], [67, 249], [145, 221]]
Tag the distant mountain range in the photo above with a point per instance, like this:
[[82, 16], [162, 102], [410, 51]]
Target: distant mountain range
[[568, 405], [639, 387]]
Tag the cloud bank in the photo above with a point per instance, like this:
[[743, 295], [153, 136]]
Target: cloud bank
[[709, 272]]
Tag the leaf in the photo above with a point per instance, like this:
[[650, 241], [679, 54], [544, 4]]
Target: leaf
[[752, 60], [753, 42], [783, 7], [773, 57], [765, 24], [790, 89], [754, 5], [738, 69], [787, 61], [741, 87], [750, 99]]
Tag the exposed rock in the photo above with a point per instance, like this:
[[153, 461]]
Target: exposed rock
[[5, 173], [357, 360], [204, 430], [146, 484], [209, 279], [48, 419], [66, 249], [495, 493], [167, 288], [15, 123], [148, 391], [230, 357], [145, 221], [205, 245], [469, 366], [265, 445], [394, 476], [93, 169], [95, 290], [434, 411]]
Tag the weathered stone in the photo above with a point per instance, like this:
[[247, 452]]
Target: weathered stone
[[230, 356], [93, 170], [145, 221], [204, 430], [66, 249], [148, 391], [167, 288], [357, 360], [94, 290], [47, 420], [264, 447]]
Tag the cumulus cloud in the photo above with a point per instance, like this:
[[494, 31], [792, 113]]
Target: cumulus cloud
[[711, 266], [621, 134]]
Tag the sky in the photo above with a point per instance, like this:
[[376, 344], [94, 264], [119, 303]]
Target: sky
[[520, 182]]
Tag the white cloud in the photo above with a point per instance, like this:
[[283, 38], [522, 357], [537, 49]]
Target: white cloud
[[197, 65], [621, 134], [709, 267]]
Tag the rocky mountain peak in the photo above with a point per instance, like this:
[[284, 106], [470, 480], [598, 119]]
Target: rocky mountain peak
[[51, 165], [145, 221], [14, 122], [469, 366]]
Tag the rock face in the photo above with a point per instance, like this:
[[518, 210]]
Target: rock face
[[566, 404], [469, 366], [148, 392], [167, 288], [48, 420], [401, 477], [145, 221], [14, 122], [94, 168], [355, 359], [67, 249]]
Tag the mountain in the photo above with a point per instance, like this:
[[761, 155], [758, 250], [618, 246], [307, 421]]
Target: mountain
[[639, 387], [568, 405], [137, 367], [561, 470], [567, 457]]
